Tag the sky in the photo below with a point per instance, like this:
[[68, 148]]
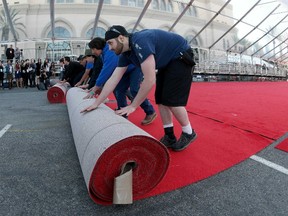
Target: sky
[[259, 13]]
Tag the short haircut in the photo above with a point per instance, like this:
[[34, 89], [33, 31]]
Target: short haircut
[[93, 56], [114, 31], [97, 43], [67, 58]]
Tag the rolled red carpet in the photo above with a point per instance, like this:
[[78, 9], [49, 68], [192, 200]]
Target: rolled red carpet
[[105, 142], [57, 93]]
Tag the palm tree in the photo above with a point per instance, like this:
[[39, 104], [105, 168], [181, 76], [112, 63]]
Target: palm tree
[[4, 24]]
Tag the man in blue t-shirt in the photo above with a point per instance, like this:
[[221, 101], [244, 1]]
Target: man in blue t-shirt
[[171, 55], [88, 62], [131, 79]]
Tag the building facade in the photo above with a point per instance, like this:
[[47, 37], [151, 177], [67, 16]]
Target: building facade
[[74, 22], [74, 25]]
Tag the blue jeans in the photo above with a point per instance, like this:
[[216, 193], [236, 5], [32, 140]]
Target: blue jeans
[[133, 80]]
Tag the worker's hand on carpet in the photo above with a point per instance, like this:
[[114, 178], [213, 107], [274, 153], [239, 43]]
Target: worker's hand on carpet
[[125, 110], [90, 108]]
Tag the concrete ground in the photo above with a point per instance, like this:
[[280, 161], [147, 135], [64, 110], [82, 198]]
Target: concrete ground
[[40, 172]]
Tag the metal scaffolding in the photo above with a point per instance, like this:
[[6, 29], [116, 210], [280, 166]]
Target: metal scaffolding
[[52, 19], [99, 9], [142, 14], [266, 34], [235, 24], [210, 21], [256, 27], [8, 15], [278, 39], [181, 15]]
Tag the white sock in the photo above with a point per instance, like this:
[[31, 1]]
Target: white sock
[[187, 129], [168, 125]]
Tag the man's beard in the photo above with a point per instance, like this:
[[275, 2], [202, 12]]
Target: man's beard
[[118, 50]]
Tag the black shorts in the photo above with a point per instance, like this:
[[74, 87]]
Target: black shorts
[[173, 84]]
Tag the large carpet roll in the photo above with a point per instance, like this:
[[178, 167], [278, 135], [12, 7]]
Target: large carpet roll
[[105, 142], [57, 93]]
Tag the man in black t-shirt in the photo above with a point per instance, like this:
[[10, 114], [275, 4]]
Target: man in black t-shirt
[[73, 71], [10, 53], [1, 74]]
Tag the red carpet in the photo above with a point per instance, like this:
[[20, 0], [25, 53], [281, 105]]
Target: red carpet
[[283, 145], [259, 107], [57, 93], [233, 121]]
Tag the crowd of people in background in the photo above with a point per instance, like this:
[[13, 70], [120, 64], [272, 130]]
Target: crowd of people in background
[[25, 72], [17, 72]]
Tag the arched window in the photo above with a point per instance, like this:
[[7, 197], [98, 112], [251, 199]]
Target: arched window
[[155, 4], [60, 32], [133, 3], [99, 32], [63, 1], [190, 12], [169, 6], [162, 5], [96, 1], [140, 3], [57, 50]]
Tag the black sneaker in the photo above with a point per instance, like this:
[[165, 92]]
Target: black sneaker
[[184, 141], [167, 141]]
